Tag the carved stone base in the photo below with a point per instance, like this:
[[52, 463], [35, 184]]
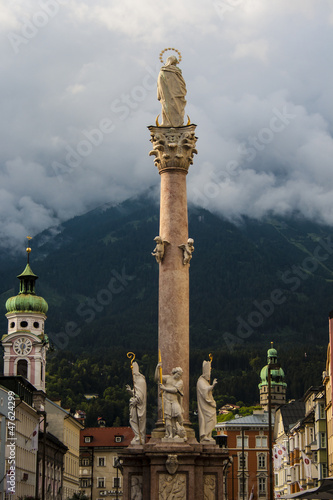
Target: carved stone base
[[166, 471]]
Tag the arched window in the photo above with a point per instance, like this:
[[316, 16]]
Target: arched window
[[22, 368]]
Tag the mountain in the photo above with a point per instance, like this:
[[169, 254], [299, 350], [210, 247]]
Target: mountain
[[250, 282]]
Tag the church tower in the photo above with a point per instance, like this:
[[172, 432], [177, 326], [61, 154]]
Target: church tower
[[278, 385], [25, 344]]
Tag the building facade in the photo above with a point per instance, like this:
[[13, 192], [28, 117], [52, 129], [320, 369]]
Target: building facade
[[327, 381], [54, 466], [100, 469], [3, 435], [63, 425], [22, 423], [300, 430], [247, 442]]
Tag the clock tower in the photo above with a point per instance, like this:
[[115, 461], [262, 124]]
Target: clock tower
[[25, 344]]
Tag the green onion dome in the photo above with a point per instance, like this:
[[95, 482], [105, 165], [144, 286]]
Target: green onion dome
[[27, 303], [27, 300]]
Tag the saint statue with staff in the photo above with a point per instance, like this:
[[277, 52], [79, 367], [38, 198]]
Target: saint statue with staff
[[138, 402]]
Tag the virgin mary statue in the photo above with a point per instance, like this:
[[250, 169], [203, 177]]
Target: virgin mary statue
[[171, 91]]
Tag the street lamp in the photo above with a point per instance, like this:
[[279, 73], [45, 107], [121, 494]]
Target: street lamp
[[118, 464], [243, 462], [232, 477]]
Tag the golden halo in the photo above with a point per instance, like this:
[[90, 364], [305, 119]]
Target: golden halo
[[170, 48]]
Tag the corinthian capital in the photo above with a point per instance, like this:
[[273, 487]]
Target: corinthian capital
[[173, 148]]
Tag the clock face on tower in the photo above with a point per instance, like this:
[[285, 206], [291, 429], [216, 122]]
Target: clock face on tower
[[22, 346]]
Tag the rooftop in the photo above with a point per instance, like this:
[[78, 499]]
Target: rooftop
[[106, 436], [255, 420]]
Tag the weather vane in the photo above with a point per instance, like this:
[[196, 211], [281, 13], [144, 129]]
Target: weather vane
[[170, 48]]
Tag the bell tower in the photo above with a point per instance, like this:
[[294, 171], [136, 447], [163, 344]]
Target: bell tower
[[25, 344], [278, 384]]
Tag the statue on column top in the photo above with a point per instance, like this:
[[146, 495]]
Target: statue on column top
[[171, 92]]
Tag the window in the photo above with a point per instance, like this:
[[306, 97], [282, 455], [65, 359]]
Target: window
[[243, 486], [24, 324], [12, 324], [101, 462], [322, 438], [22, 368], [118, 439], [242, 461], [322, 412], [101, 482], [87, 439], [239, 442], [116, 482], [261, 461], [85, 461], [262, 486], [261, 441], [36, 324], [85, 483]]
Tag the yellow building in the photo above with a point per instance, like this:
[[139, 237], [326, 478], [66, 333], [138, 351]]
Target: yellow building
[[63, 425], [327, 381], [99, 475]]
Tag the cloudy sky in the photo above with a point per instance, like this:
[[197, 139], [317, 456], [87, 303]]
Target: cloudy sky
[[78, 89]]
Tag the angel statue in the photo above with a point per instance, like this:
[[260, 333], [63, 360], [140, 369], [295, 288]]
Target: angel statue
[[159, 250], [188, 249]]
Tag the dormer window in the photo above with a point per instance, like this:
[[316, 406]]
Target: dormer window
[[118, 439], [88, 439]]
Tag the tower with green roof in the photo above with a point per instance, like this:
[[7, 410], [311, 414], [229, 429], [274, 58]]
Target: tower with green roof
[[278, 384], [26, 343]]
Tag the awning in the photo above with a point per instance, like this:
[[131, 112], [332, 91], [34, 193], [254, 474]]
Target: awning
[[324, 491]]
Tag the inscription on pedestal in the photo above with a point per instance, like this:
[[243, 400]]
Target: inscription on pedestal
[[172, 487], [210, 487]]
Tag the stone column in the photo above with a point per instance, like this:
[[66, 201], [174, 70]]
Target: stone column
[[173, 149]]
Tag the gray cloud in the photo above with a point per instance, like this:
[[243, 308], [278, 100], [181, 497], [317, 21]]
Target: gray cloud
[[78, 91]]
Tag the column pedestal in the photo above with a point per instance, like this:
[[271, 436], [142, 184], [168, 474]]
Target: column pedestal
[[163, 471]]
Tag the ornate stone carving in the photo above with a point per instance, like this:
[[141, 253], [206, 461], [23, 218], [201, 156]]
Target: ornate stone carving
[[173, 148], [172, 464], [159, 250], [188, 249], [136, 488], [172, 487], [209, 487]]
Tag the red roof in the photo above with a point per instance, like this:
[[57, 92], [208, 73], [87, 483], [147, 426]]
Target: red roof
[[106, 436]]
